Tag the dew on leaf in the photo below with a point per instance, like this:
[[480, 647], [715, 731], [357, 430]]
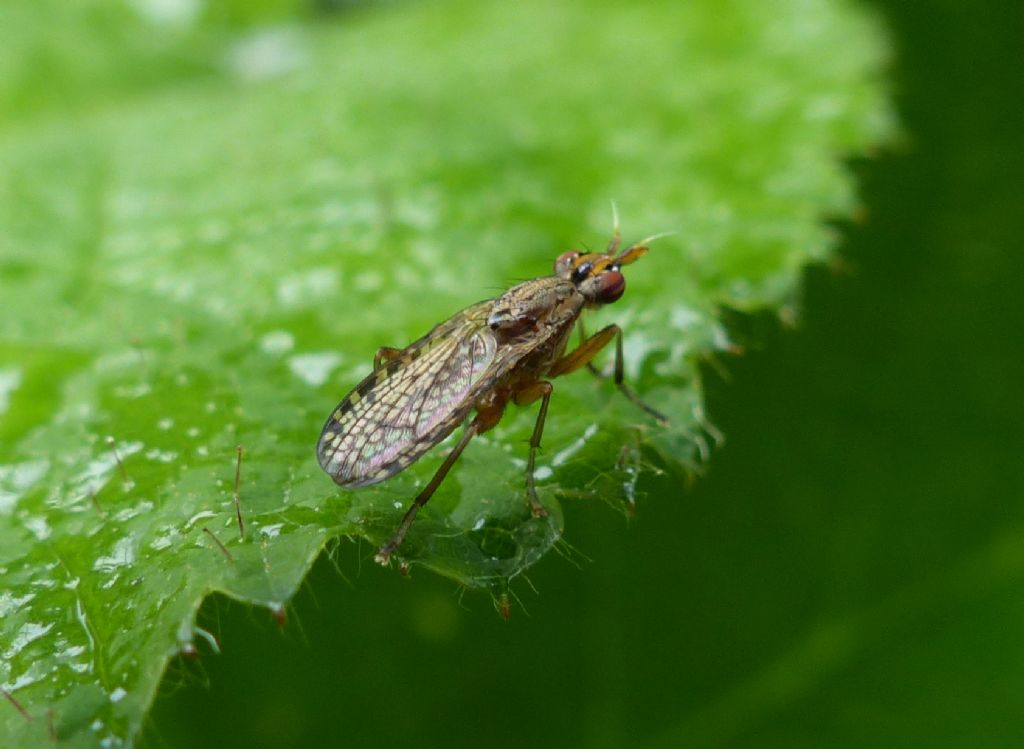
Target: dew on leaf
[[166, 536], [33, 674], [268, 53], [310, 287], [38, 526], [133, 391], [134, 510], [566, 453], [121, 555], [201, 515], [315, 368], [28, 633], [271, 531], [18, 478], [96, 473], [10, 378], [277, 342], [161, 456], [171, 13], [10, 603]]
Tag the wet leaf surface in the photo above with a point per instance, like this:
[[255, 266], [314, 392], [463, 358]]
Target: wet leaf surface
[[210, 260]]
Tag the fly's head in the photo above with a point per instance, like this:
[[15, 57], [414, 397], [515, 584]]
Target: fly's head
[[598, 275]]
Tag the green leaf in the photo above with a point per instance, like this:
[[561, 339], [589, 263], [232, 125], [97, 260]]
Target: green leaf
[[212, 265]]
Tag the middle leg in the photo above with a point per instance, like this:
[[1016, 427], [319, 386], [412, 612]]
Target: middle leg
[[524, 397]]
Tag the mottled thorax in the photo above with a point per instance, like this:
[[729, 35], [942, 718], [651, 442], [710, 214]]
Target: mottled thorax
[[535, 305]]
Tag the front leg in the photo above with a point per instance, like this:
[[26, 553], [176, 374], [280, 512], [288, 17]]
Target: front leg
[[591, 347], [590, 364]]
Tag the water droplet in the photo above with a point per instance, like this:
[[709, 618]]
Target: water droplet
[[29, 632], [313, 369], [122, 554], [161, 456], [39, 527], [16, 479], [267, 54], [133, 391], [10, 603], [200, 516], [10, 379], [564, 454], [169, 12], [303, 289], [271, 531], [277, 342]]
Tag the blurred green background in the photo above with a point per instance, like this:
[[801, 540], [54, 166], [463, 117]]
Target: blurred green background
[[847, 573]]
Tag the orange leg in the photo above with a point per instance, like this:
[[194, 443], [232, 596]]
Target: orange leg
[[584, 355], [583, 339], [585, 352], [525, 397]]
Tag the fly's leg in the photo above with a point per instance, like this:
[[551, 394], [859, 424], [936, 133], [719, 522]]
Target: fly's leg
[[590, 364], [486, 418], [384, 355], [525, 397], [384, 553], [585, 353]]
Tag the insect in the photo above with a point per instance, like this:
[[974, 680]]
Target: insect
[[490, 353]]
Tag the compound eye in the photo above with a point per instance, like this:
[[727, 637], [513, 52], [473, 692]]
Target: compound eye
[[582, 271], [564, 262], [610, 286]]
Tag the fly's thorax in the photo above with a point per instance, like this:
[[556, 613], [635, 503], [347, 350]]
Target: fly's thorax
[[535, 306]]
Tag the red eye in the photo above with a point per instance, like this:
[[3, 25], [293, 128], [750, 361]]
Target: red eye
[[564, 262], [610, 286]]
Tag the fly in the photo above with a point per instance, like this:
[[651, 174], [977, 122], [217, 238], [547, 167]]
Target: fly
[[490, 353]]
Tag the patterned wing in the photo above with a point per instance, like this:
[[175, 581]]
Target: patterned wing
[[410, 404]]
